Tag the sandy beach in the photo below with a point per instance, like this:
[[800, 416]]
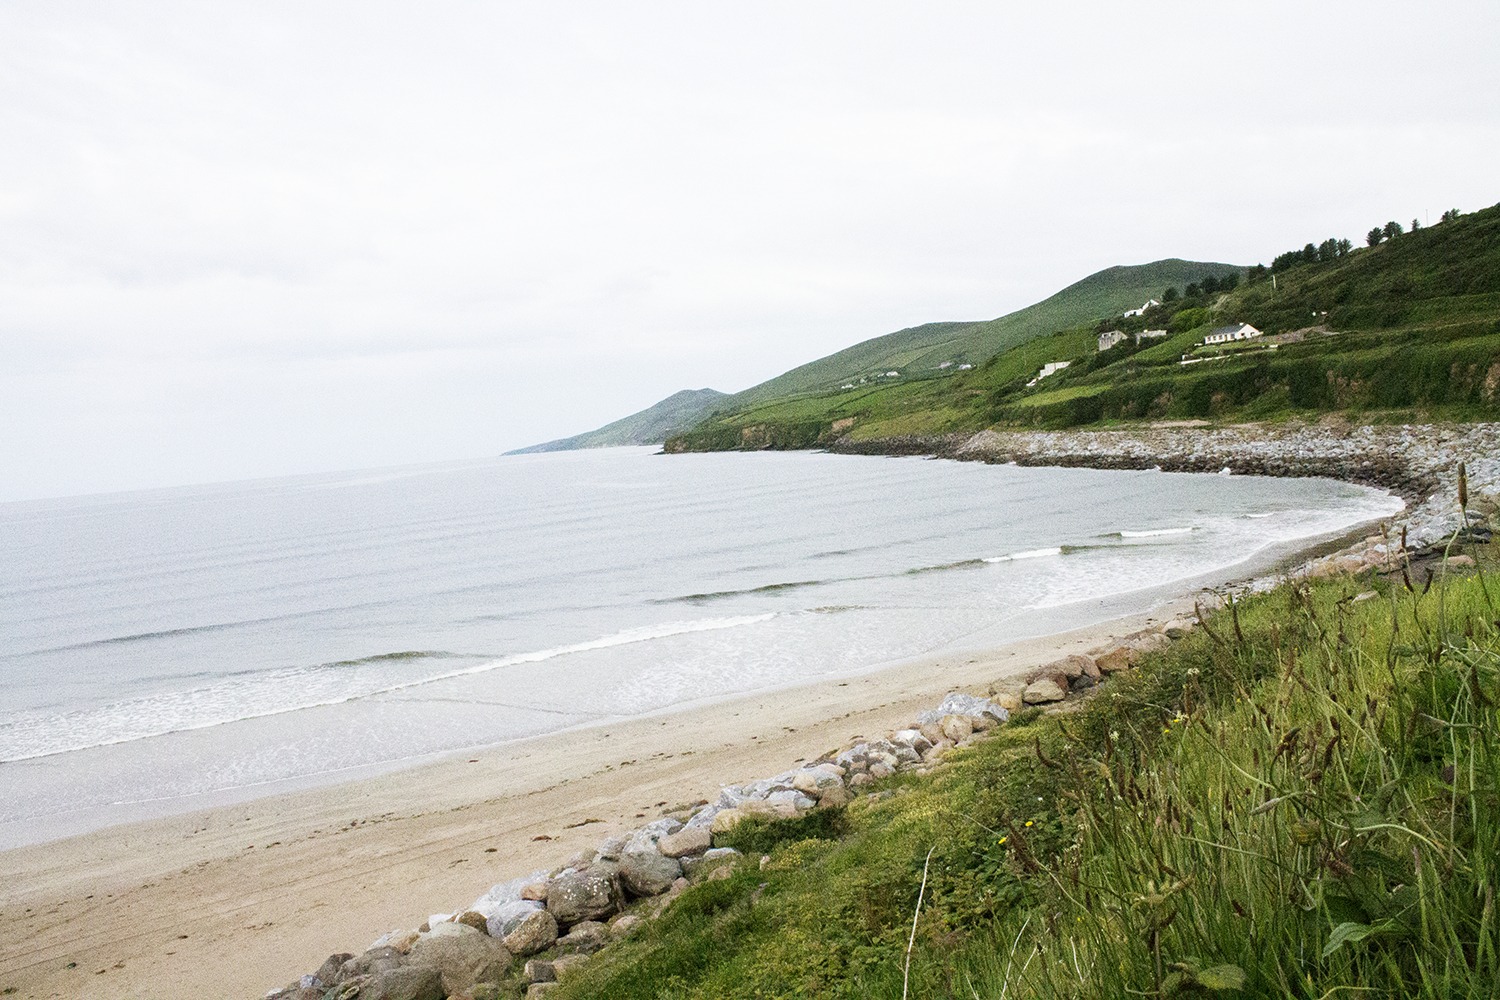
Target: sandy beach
[[235, 901]]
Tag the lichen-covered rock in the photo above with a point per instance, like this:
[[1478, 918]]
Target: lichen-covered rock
[[584, 938], [584, 895], [534, 933], [538, 971], [462, 955], [648, 873]]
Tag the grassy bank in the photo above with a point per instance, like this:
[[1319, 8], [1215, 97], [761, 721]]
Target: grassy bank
[[1302, 798]]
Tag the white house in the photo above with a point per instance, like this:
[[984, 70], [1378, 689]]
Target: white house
[[1110, 338], [1232, 332], [1149, 335], [1142, 309], [1050, 368]]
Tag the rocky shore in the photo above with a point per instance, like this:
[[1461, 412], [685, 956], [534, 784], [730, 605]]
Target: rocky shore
[[524, 936], [1418, 462]]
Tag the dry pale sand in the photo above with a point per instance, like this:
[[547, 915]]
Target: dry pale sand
[[235, 901]]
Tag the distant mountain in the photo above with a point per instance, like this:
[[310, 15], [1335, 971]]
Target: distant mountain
[[652, 425], [924, 350]]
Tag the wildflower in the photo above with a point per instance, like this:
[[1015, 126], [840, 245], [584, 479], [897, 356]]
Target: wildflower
[[1192, 671], [1028, 822], [1114, 734], [1001, 841]]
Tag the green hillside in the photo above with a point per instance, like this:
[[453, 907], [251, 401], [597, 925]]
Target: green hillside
[[1408, 327], [652, 425], [1299, 799], [920, 351]]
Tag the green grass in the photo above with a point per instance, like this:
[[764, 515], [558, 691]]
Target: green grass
[[919, 350], [1419, 319], [1301, 800]]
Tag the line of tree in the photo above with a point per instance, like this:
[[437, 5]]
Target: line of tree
[[1206, 285], [1330, 249]]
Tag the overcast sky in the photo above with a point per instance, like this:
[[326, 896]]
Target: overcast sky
[[250, 239]]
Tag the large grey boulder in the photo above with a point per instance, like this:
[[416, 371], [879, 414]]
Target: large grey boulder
[[373, 961], [410, 982], [1043, 692], [584, 895], [462, 955], [688, 840], [533, 934], [648, 873], [584, 938], [507, 916]]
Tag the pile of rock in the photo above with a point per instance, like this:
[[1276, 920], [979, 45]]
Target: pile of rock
[[1052, 682], [603, 895]]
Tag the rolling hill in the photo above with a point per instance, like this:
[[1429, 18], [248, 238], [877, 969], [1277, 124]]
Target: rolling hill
[[652, 425], [919, 351]]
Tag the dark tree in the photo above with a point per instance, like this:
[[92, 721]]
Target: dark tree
[[1257, 273], [1392, 229], [1229, 282], [1209, 284], [1192, 291], [1345, 247], [1328, 250], [1170, 295], [1374, 236], [1450, 215], [1310, 254], [1416, 224]]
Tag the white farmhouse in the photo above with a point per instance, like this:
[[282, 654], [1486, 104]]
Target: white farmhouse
[[1137, 312], [1110, 338], [1232, 332]]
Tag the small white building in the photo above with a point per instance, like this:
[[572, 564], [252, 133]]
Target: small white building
[[1050, 368], [1232, 332], [1149, 335], [1142, 309], [1110, 338]]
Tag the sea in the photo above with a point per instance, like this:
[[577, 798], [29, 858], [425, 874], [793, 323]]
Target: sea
[[171, 649]]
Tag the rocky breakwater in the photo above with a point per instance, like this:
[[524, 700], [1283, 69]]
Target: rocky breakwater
[[525, 935], [1419, 462]]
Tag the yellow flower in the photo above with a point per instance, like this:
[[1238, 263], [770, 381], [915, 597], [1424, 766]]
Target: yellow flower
[[1001, 841], [1028, 822]]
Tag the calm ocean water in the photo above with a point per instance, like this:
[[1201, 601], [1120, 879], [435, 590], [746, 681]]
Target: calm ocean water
[[169, 649]]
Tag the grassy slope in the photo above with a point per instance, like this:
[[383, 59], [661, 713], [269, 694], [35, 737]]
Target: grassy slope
[[919, 350], [1420, 323], [1303, 801], [652, 425]]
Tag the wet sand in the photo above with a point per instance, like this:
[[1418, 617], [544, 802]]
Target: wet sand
[[235, 901]]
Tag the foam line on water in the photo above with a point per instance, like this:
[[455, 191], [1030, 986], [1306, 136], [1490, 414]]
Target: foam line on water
[[263, 695], [1055, 550]]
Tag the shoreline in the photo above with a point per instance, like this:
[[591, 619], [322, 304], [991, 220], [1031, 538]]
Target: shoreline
[[281, 882]]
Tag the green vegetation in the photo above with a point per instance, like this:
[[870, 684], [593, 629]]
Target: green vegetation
[[1408, 328], [1301, 799], [918, 352]]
